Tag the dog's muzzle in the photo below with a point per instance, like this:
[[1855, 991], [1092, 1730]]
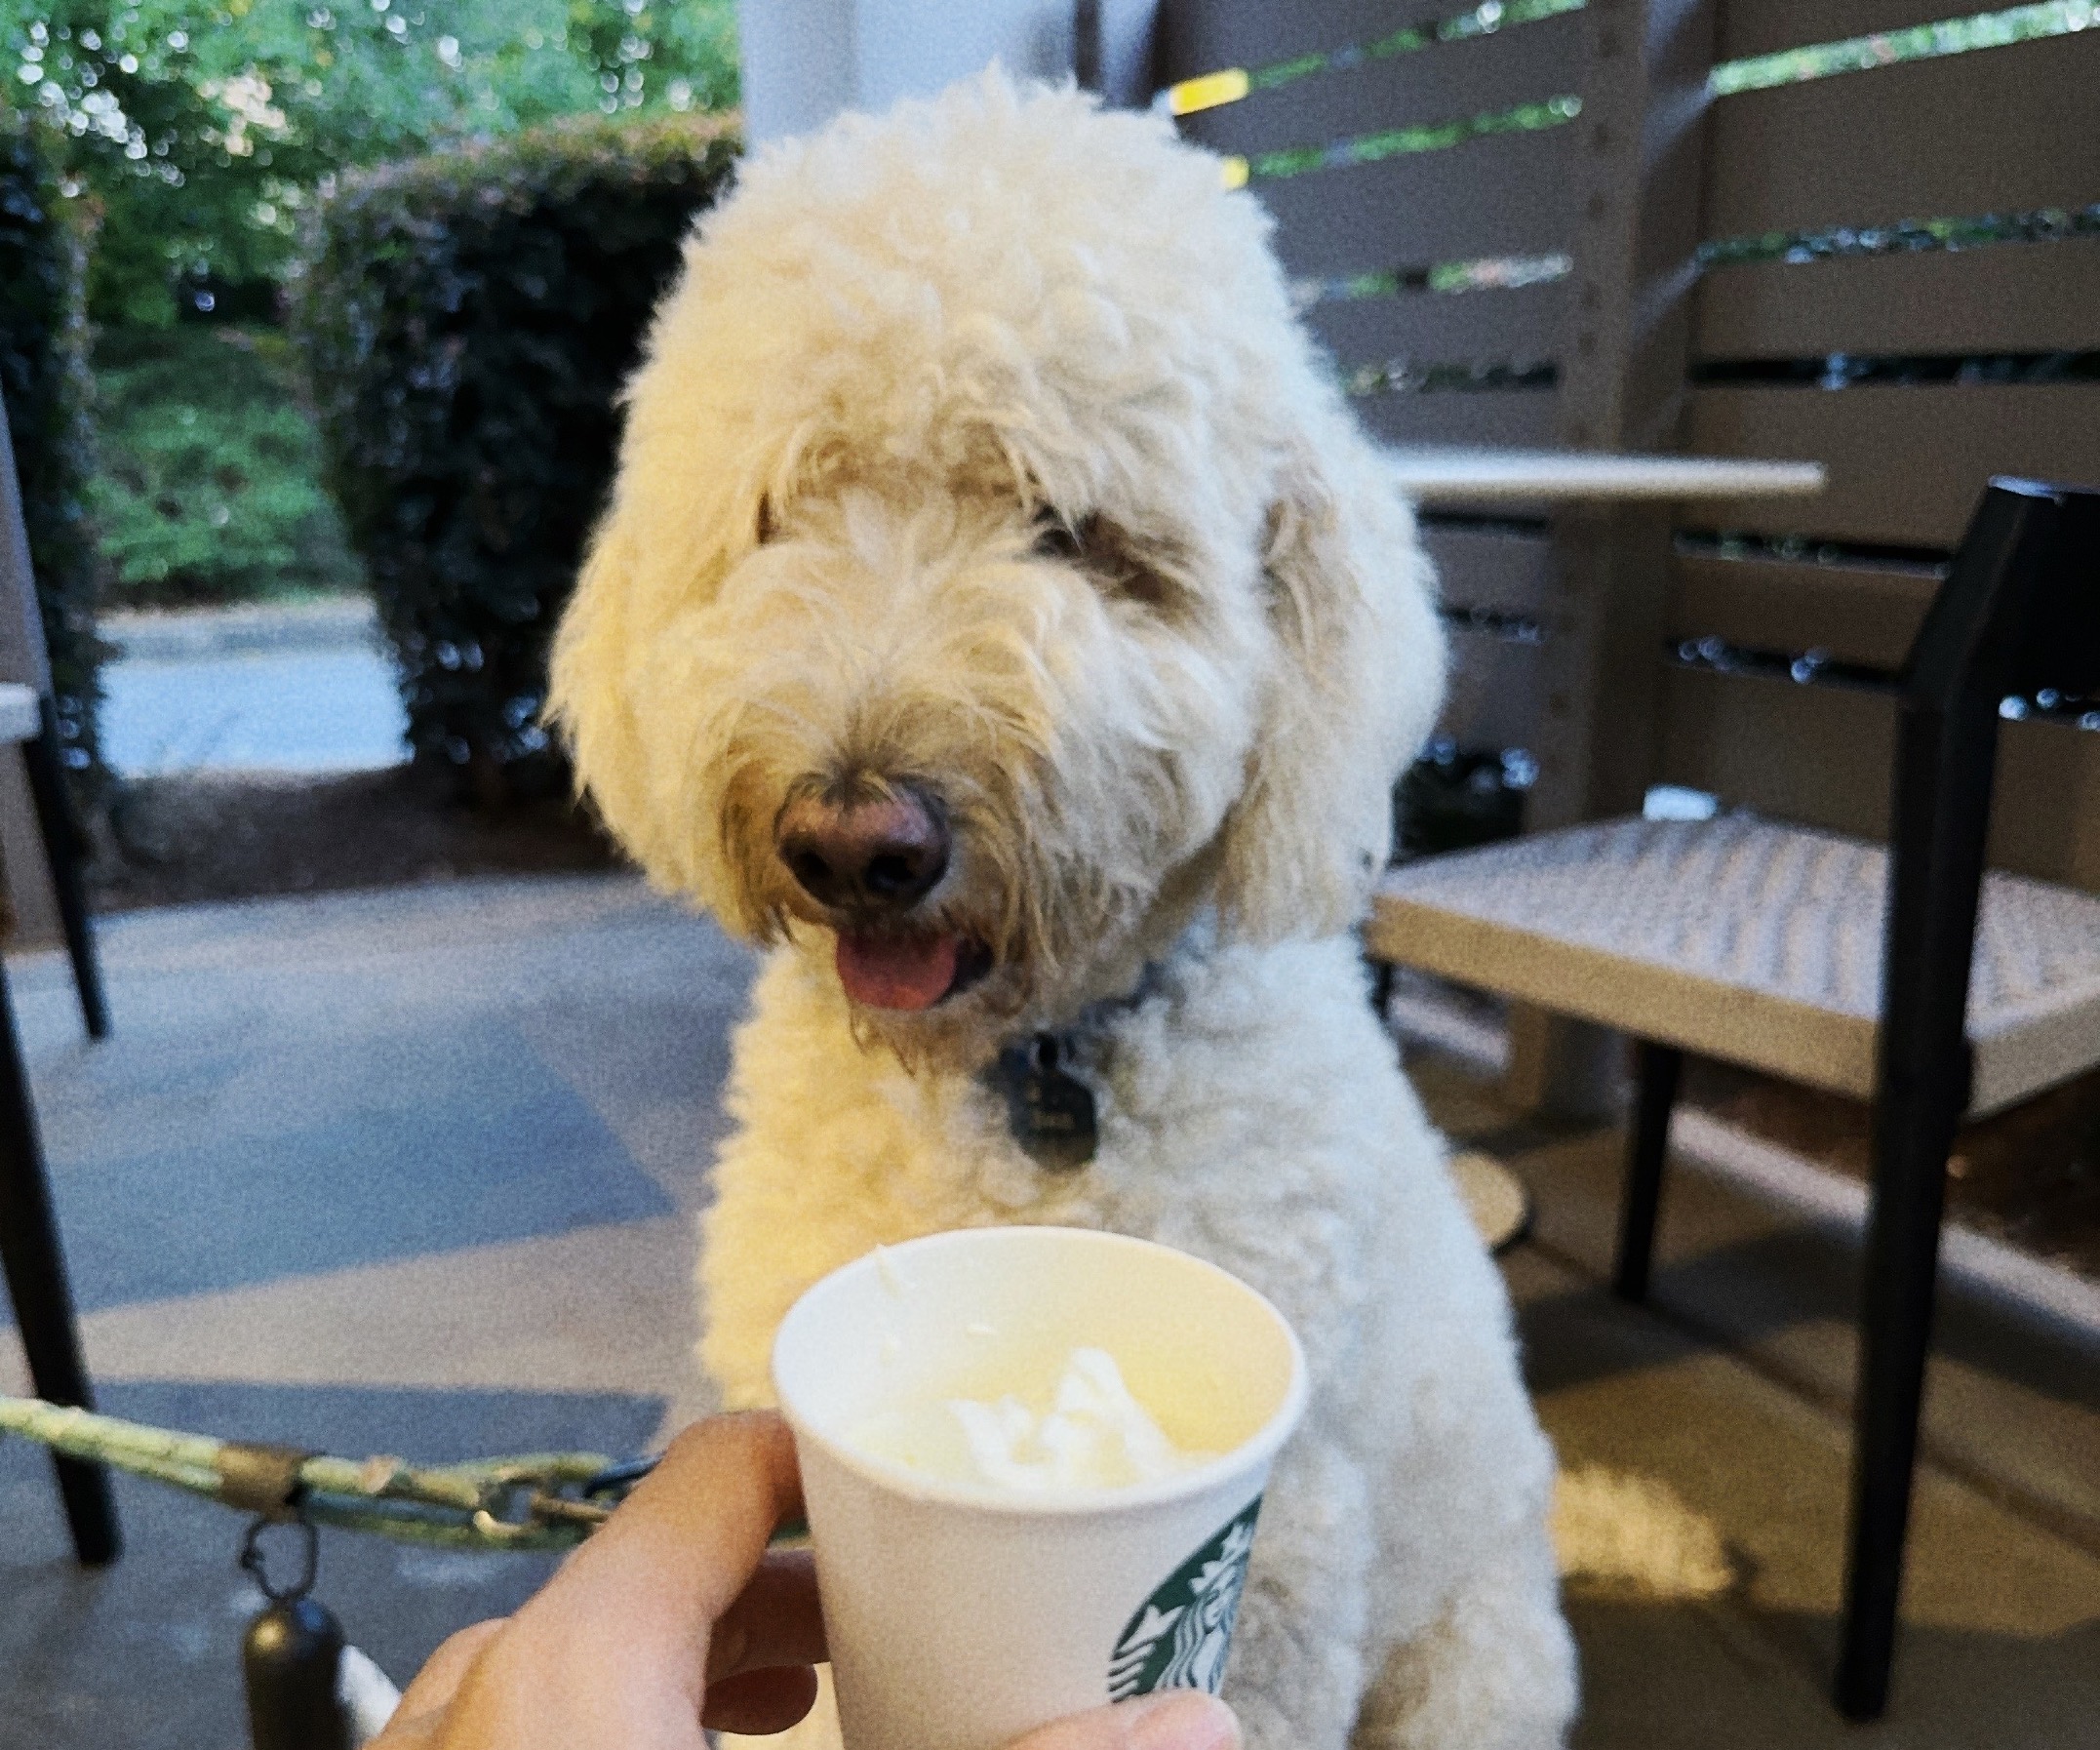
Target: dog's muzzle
[[874, 860], [869, 865]]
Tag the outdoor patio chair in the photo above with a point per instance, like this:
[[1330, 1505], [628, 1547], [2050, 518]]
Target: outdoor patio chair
[[1830, 962], [29, 720], [30, 1258]]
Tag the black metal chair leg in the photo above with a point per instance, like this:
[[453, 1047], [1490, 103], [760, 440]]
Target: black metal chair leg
[[35, 1271], [1657, 1069], [1914, 1136], [63, 850]]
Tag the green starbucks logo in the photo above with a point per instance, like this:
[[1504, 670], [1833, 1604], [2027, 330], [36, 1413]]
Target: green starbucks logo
[[1179, 1638]]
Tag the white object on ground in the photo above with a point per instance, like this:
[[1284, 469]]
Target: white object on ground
[[1091, 1433], [1677, 802], [1496, 1197], [366, 1693]]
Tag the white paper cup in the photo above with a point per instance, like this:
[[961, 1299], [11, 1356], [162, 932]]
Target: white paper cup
[[959, 1615]]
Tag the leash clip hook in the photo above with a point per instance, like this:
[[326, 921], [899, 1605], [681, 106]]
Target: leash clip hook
[[255, 1565]]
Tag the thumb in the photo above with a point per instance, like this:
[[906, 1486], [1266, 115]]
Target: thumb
[[418, 1713], [1173, 1719]]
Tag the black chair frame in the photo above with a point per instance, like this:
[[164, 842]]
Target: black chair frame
[[35, 1271], [2019, 612], [30, 1259]]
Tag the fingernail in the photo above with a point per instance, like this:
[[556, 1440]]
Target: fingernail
[[1180, 1720]]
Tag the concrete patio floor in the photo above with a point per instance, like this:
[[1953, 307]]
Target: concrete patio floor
[[414, 1171]]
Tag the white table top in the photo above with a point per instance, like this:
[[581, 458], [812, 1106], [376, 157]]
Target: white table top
[[1443, 476]]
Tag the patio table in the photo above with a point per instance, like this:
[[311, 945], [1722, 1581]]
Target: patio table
[[1434, 476]]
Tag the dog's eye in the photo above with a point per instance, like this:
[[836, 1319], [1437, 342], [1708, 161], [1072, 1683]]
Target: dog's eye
[[1119, 564], [1122, 565], [1056, 538], [1141, 583]]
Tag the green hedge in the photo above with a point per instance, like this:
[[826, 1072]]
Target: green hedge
[[467, 320], [43, 375], [211, 483]]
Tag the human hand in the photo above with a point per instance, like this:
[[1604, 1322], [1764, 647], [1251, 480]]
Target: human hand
[[670, 1617], [674, 1616]]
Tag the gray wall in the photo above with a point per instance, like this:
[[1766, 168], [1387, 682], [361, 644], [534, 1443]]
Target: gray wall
[[803, 60]]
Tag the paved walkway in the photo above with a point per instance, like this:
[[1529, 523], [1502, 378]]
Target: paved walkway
[[1732, 1393], [414, 1171], [409, 1172], [280, 688]]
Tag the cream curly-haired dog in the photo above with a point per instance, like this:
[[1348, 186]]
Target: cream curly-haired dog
[[1000, 611]]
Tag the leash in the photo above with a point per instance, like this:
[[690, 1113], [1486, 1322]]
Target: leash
[[308, 1688], [536, 1502]]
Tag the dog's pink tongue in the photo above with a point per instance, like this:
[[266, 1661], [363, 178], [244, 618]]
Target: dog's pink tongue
[[898, 972]]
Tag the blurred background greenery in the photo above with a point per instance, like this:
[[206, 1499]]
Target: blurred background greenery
[[191, 143], [209, 489]]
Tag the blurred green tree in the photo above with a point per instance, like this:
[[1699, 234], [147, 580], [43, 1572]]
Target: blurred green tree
[[43, 382], [210, 488], [203, 132], [192, 139]]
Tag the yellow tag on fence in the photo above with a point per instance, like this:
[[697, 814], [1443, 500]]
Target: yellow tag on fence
[[1206, 92]]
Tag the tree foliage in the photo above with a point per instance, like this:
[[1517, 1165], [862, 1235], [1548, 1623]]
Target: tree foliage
[[210, 488], [467, 320], [45, 385], [205, 131]]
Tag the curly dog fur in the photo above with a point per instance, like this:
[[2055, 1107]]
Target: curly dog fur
[[977, 457]]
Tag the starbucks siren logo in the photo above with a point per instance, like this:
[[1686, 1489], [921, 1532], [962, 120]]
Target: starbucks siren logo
[[1178, 1640]]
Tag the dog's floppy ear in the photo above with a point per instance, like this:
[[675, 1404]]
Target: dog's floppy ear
[[589, 696], [1356, 686]]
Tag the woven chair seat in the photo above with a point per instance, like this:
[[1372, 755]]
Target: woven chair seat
[[1743, 940]]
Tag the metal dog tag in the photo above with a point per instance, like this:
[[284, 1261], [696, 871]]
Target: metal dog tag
[[1050, 1112]]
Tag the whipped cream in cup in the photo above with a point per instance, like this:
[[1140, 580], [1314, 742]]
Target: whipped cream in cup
[[1091, 1433], [1033, 1459]]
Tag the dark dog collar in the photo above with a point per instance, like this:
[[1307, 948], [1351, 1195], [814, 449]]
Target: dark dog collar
[[1050, 1111], [1054, 1115]]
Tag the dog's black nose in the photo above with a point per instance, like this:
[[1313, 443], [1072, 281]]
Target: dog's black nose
[[883, 855]]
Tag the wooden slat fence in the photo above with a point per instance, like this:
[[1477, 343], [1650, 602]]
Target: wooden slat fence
[[1954, 364], [1998, 301], [1428, 365], [1994, 130], [1752, 27], [1890, 268], [1194, 39]]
